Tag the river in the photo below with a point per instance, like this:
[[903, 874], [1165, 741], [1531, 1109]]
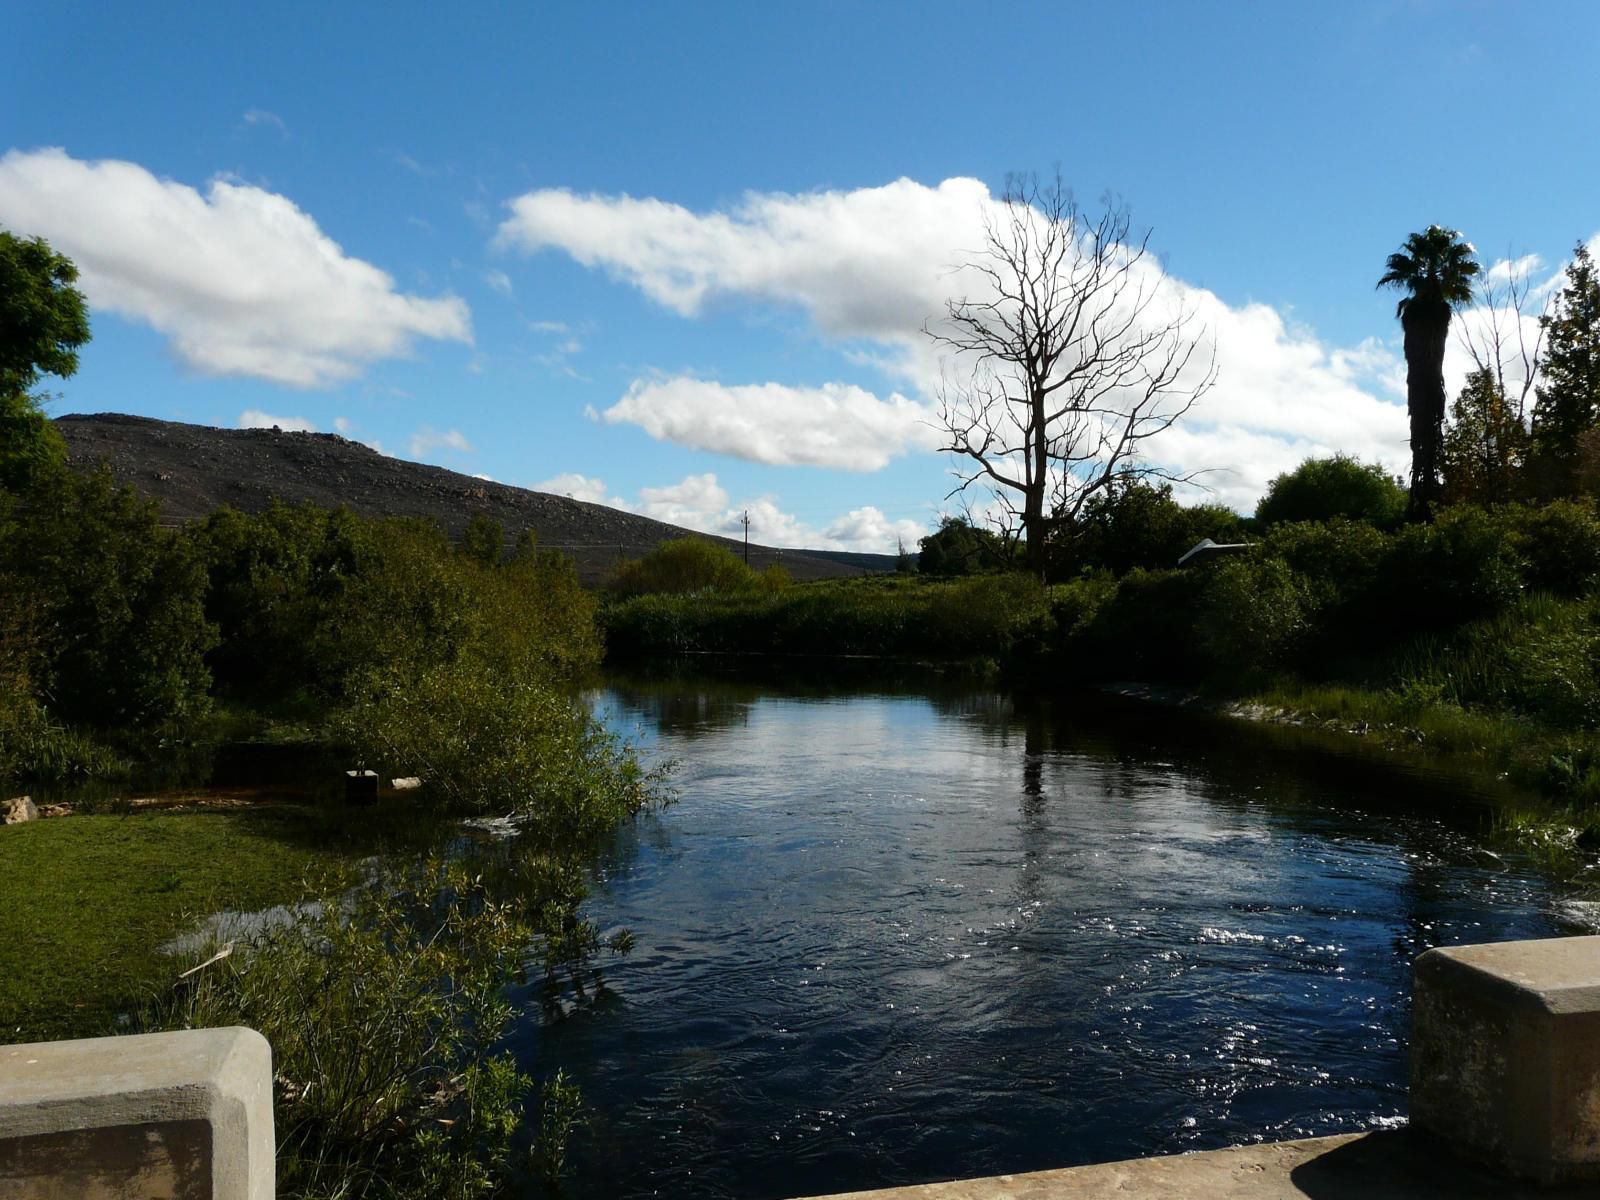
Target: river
[[900, 933]]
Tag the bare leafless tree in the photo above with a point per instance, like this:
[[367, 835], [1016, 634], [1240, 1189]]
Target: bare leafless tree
[[1069, 354], [1502, 338]]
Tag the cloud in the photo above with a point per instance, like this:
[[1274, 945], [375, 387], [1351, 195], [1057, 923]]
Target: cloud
[[835, 425], [343, 425], [426, 440], [260, 116], [859, 261], [575, 486], [868, 529], [701, 503], [697, 501], [872, 268], [240, 279], [254, 418], [499, 281]]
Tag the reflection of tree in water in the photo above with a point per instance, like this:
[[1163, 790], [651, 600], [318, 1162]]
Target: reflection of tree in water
[[687, 711]]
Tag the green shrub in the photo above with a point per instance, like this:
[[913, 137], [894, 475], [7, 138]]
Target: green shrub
[[489, 739], [1464, 566], [1250, 615], [1143, 630], [958, 547], [121, 625], [383, 1006], [304, 597], [1141, 525], [1320, 489], [683, 567], [1560, 543]]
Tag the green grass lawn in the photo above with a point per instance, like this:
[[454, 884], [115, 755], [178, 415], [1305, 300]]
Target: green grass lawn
[[86, 900]]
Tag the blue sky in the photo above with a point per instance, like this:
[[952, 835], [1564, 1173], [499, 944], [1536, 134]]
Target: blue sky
[[408, 223]]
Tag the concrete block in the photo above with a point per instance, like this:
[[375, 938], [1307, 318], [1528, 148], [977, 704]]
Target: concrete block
[[181, 1116], [1505, 1054]]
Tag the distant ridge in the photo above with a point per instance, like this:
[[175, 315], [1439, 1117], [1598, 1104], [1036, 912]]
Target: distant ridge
[[189, 470]]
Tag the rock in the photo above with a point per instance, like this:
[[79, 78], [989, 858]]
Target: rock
[[406, 783], [18, 810]]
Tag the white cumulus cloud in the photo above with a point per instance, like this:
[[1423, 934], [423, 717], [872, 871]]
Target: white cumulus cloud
[[835, 425], [254, 418], [427, 439], [576, 487], [702, 503], [241, 280], [872, 268]]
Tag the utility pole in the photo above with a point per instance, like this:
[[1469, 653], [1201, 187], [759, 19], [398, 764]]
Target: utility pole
[[746, 519]]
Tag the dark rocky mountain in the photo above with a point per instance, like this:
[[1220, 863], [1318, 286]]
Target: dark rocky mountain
[[192, 469]]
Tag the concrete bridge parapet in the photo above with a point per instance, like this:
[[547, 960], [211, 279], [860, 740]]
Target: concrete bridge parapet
[[182, 1116]]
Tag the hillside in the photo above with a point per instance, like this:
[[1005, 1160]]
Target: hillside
[[192, 469]]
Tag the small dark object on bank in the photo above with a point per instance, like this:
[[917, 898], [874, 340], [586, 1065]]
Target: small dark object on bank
[[361, 787]]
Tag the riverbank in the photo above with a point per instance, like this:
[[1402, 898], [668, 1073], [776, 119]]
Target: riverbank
[[86, 902]]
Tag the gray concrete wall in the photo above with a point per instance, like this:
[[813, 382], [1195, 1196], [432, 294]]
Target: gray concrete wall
[[179, 1116], [1505, 1054]]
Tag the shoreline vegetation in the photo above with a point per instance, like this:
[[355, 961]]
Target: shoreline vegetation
[[1475, 637]]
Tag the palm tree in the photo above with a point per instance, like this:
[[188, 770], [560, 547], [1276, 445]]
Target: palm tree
[[1435, 268]]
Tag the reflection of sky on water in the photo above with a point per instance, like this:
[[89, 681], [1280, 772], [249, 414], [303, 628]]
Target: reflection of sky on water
[[887, 938]]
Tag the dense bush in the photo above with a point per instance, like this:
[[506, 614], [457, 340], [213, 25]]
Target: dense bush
[[1464, 566], [303, 598], [958, 547], [985, 616], [687, 567], [120, 620], [1141, 525], [1320, 489], [1560, 545], [1250, 614], [384, 1006]]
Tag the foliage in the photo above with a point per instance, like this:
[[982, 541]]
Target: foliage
[[1568, 398], [958, 547], [1250, 614], [984, 616], [31, 450], [121, 629], [1485, 446], [42, 316], [42, 323], [683, 567], [1464, 566], [1140, 525], [483, 539], [383, 1006], [1435, 268], [494, 738], [1560, 547], [1322, 489], [304, 598]]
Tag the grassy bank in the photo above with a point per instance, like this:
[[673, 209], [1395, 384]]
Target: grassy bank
[[85, 902]]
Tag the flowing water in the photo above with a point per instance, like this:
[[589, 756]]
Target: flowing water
[[893, 935]]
